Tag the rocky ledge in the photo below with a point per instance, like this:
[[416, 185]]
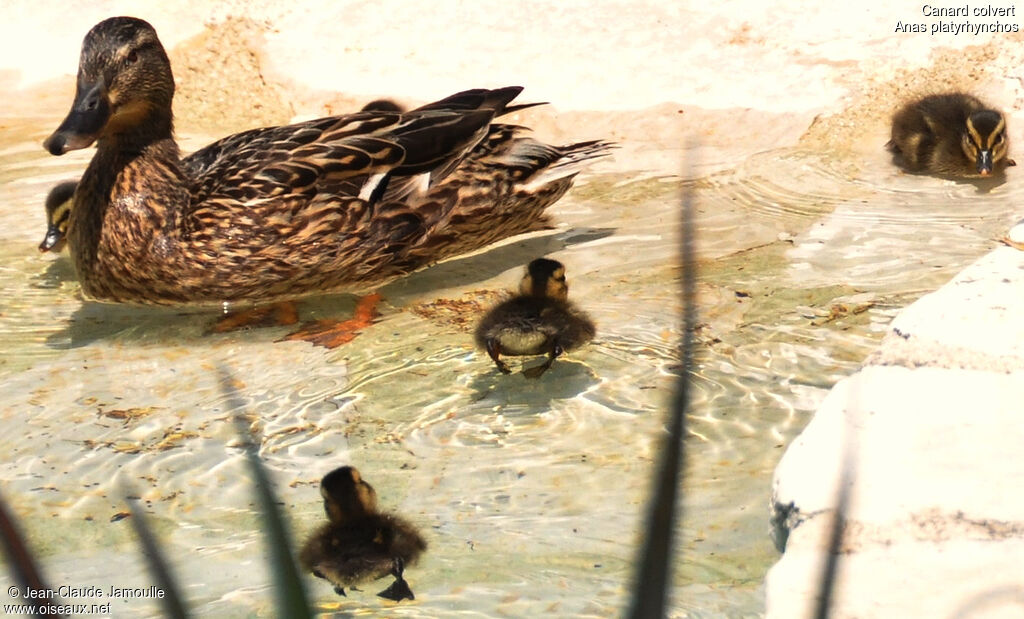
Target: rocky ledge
[[928, 442]]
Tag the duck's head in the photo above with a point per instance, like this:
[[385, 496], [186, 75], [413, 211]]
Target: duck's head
[[124, 85], [346, 495], [545, 278], [985, 140], [58, 212]]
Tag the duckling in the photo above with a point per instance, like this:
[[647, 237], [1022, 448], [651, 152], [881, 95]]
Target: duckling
[[360, 543], [382, 105], [539, 320], [950, 135], [58, 212]]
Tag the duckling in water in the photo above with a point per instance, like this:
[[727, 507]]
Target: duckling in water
[[539, 320], [360, 543], [950, 135], [58, 212]]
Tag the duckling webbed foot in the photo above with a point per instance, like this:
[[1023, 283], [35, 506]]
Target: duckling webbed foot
[[494, 350], [398, 590], [334, 333], [537, 371]]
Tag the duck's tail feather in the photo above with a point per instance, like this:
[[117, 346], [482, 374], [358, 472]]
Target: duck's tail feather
[[497, 99], [553, 163]]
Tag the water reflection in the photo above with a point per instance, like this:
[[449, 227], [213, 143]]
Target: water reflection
[[529, 492]]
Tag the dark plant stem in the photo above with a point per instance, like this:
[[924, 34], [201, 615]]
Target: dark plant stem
[[654, 574]]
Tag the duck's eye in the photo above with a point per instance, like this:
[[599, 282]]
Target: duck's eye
[[133, 57], [560, 278], [999, 138]]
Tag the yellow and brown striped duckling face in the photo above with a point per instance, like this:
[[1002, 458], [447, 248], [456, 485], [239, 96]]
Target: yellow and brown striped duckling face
[[58, 212], [124, 85], [347, 495], [545, 278], [985, 142]]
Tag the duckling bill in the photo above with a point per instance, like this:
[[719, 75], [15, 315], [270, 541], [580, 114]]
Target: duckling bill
[[539, 320], [360, 543], [952, 134]]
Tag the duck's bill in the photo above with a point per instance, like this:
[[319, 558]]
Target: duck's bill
[[53, 241], [985, 162], [89, 114]]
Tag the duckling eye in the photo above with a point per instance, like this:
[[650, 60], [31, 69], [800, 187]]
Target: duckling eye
[[560, 278]]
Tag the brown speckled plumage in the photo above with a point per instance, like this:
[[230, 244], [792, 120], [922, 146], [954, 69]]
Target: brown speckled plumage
[[345, 203]]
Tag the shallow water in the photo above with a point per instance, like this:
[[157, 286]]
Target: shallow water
[[529, 492]]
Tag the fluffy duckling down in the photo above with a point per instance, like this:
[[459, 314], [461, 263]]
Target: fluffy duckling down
[[58, 212], [359, 543], [539, 320], [955, 135]]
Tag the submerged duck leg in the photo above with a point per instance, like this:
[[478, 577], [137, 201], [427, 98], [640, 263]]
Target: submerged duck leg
[[274, 315], [494, 350], [536, 372], [333, 333], [398, 590]]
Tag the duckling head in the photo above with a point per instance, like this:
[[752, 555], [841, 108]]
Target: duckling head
[[545, 278], [985, 140], [346, 495], [58, 212], [382, 105], [124, 84]]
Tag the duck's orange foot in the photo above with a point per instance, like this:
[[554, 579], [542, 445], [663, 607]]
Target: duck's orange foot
[[334, 333], [1006, 240], [274, 315]]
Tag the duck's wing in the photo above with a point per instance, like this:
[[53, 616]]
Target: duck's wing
[[497, 99], [373, 155]]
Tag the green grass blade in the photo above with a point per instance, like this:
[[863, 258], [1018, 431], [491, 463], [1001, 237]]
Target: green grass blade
[[172, 602], [654, 571], [289, 592], [20, 559]]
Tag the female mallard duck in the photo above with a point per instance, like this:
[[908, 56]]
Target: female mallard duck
[[345, 203], [950, 135], [58, 211], [360, 543], [539, 320]]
